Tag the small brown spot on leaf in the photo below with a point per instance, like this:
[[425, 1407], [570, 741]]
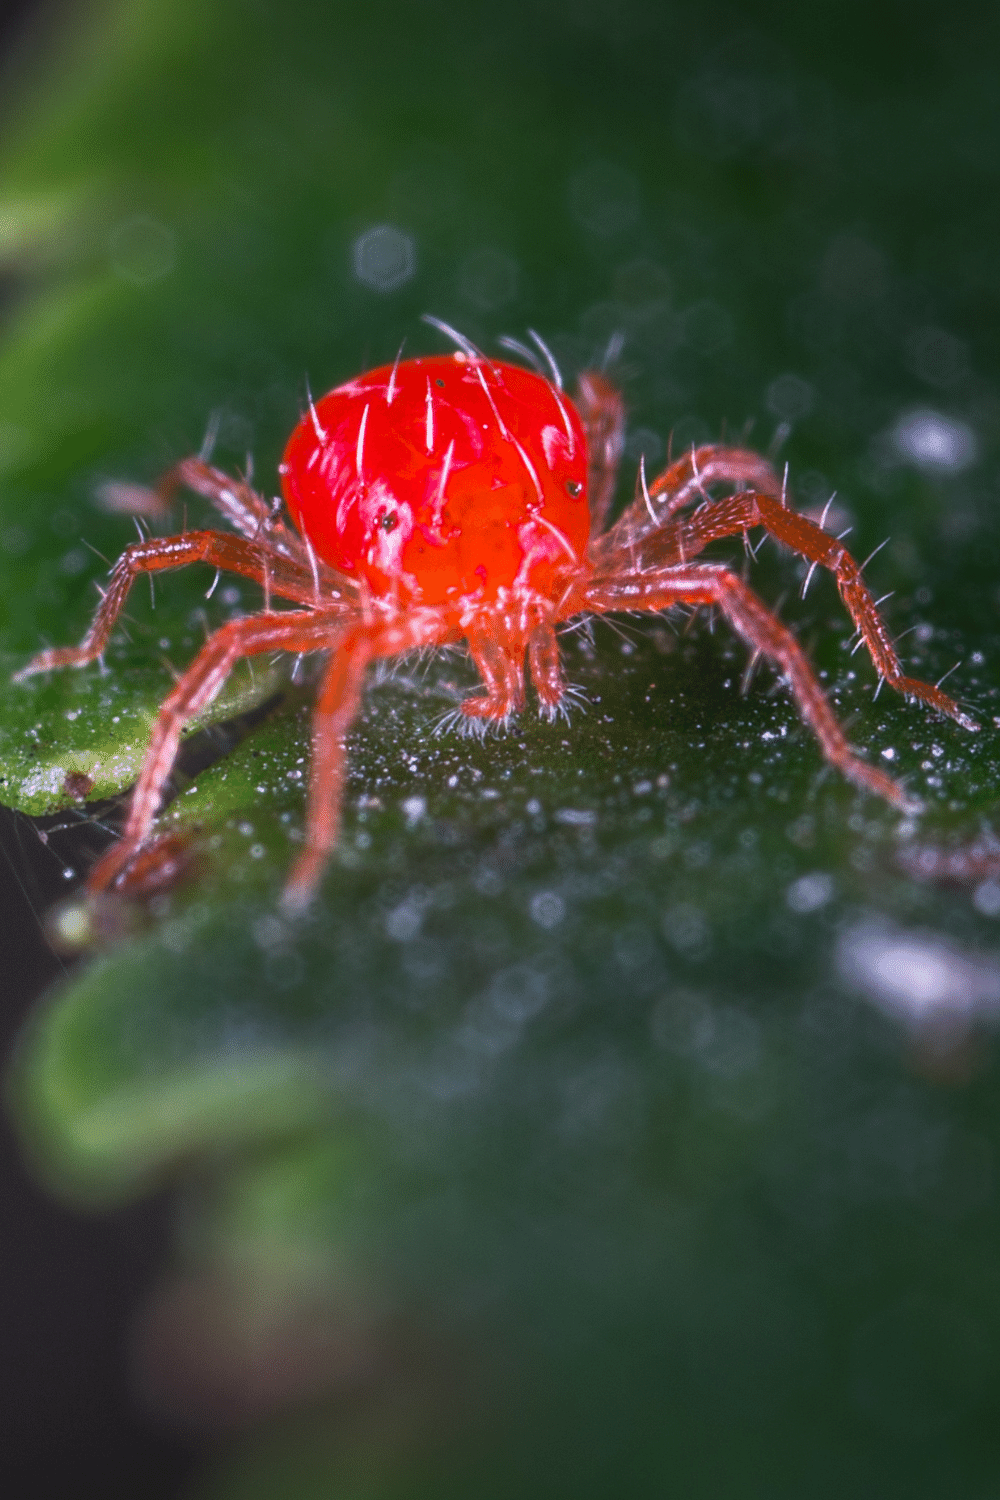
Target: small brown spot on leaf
[[78, 785]]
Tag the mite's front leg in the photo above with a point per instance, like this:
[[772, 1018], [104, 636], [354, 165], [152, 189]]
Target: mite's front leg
[[750, 618], [236, 500], [217, 548], [200, 684], [687, 481], [688, 535], [689, 477]]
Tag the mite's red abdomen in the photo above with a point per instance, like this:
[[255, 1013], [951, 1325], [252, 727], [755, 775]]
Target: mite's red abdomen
[[442, 480]]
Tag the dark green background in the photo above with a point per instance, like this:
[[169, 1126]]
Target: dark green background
[[558, 1152]]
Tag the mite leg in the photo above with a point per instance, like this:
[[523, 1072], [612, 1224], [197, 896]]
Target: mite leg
[[500, 660], [687, 536], [689, 477], [603, 414], [336, 709], [686, 480], [545, 664], [276, 574], [203, 681], [705, 584], [236, 500]]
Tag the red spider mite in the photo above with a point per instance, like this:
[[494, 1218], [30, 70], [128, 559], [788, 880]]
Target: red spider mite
[[457, 498]]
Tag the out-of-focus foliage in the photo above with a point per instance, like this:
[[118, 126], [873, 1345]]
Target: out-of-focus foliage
[[564, 1148]]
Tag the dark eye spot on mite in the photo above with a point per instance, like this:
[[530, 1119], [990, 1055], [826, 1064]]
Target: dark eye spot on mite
[[573, 488], [389, 522], [440, 383]]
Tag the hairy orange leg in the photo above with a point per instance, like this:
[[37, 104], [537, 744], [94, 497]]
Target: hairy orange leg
[[686, 480], [499, 658], [689, 476], [336, 708], [236, 500], [687, 536], [707, 584], [293, 630], [277, 575], [603, 414], [545, 665]]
